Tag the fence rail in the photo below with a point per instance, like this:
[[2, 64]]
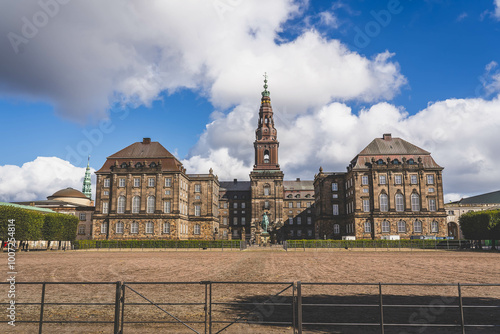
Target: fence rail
[[296, 305]]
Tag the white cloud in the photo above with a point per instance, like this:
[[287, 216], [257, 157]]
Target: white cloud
[[461, 134], [37, 179], [92, 54], [497, 9]]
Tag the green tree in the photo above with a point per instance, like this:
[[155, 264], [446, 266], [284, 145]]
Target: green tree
[[28, 224], [481, 225]]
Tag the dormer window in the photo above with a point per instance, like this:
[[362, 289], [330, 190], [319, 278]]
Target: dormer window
[[395, 162], [411, 162], [152, 165], [138, 165], [123, 165], [380, 162]]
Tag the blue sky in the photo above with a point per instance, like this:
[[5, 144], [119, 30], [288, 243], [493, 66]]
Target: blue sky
[[189, 75]]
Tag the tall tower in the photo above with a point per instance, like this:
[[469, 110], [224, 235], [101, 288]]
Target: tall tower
[[87, 187], [266, 178]]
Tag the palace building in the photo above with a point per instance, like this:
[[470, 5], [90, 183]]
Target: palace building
[[391, 187]]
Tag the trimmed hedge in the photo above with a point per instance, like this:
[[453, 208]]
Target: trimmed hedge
[[378, 243], [88, 244]]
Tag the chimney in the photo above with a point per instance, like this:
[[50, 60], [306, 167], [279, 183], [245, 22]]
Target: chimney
[[146, 140], [387, 136], [235, 181]]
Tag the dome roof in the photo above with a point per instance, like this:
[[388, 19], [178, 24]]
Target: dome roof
[[68, 192]]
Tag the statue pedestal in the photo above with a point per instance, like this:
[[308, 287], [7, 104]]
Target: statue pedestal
[[263, 239]]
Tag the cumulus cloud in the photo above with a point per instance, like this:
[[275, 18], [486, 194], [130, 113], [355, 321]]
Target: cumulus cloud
[[85, 56], [461, 134], [497, 9], [37, 179]]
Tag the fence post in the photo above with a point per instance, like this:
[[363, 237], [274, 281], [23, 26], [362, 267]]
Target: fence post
[[447, 243], [381, 308], [299, 307], [460, 304], [40, 324], [123, 308], [210, 309], [206, 307], [118, 296]]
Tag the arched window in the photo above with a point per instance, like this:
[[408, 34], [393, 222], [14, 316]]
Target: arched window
[[401, 226], [386, 227], [384, 203], [415, 202], [134, 228], [166, 228], [266, 156], [368, 227], [151, 204], [417, 226], [136, 204], [149, 227], [400, 204], [266, 190], [119, 228], [121, 205], [336, 228], [434, 227]]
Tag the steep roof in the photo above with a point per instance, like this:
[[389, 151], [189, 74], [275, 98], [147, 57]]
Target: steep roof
[[234, 185], [298, 185], [394, 148], [145, 151], [488, 198]]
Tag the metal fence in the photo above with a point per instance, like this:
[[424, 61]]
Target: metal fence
[[297, 307]]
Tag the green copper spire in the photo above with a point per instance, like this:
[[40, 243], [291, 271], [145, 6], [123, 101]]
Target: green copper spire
[[87, 189], [265, 92]]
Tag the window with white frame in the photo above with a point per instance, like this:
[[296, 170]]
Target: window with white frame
[[119, 228], [197, 210], [106, 193], [243, 220], [197, 188], [368, 227], [151, 204], [166, 207], [431, 190], [137, 182], [417, 226], [224, 221], [83, 216], [196, 229], [106, 183], [290, 220], [398, 179], [266, 204], [382, 179], [136, 204], [432, 204], [235, 220], [81, 229], [134, 228], [364, 180], [266, 190], [105, 207], [298, 204], [386, 227], [168, 182], [151, 182], [401, 226], [415, 202], [413, 179], [335, 209], [335, 186], [290, 204], [166, 228], [430, 179], [121, 182], [336, 229], [121, 205], [384, 203], [366, 190], [434, 227], [149, 227], [308, 204], [309, 220], [400, 204], [225, 205], [104, 228], [366, 205]]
